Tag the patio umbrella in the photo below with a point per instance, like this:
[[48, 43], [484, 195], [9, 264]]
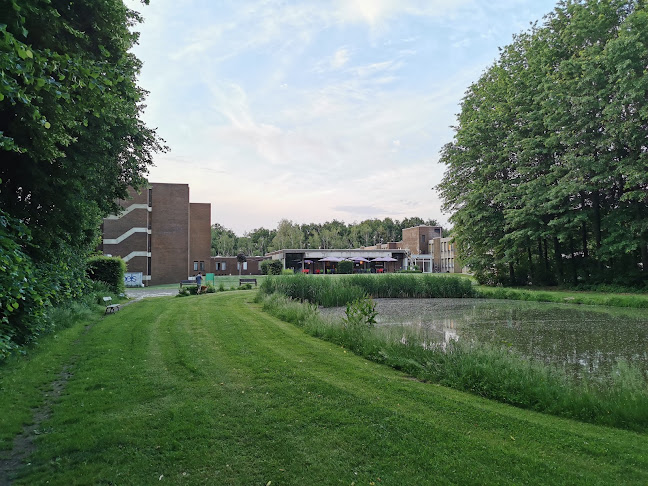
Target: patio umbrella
[[384, 259]]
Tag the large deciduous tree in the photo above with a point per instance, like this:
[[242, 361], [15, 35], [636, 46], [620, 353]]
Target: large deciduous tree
[[547, 175], [71, 135]]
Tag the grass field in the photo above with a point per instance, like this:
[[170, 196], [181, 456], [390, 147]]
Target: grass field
[[210, 390]]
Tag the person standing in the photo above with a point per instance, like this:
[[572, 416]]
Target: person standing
[[198, 282]]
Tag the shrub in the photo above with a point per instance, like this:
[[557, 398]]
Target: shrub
[[345, 267], [271, 267], [110, 270], [287, 271]]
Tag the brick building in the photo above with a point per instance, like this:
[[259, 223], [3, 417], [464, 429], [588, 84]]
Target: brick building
[[160, 233], [418, 238], [229, 265]]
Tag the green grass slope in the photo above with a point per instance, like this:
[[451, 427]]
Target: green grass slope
[[210, 390]]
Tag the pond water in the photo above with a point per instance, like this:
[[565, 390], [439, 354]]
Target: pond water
[[582, 338]]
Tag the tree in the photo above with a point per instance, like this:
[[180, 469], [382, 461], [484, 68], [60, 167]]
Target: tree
[[546, 176], [71, 137], [241, 259]]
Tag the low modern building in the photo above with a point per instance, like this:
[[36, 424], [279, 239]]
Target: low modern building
[[427, 250], [160, 234], [323, 261], [229, 265], [440, 258]]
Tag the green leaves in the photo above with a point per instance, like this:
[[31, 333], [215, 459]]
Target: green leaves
[[551, 146]]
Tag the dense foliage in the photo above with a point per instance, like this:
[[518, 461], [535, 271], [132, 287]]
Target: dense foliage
[[109, 270], [332, 234], [547, 175], [271, 267], [71, 141]]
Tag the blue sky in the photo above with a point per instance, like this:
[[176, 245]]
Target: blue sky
[[315, 110]]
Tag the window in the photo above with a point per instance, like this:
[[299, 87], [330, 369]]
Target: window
[[202, 266], [148, 266], [195, 266], [223, 266], [150, 198], [216, 265]]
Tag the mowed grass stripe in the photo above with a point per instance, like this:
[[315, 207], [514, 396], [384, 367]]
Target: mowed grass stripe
[[210, 390]]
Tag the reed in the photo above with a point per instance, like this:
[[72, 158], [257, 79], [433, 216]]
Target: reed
[[339, 291]]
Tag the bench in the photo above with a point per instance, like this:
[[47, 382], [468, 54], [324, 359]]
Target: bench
[[247, 281], [187, 282], [110, 308]]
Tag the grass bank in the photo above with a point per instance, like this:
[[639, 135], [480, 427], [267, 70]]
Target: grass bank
[[335, 292], [212, 390], [491, 372]]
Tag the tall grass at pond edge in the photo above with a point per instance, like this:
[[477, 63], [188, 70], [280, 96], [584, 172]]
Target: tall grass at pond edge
[[490, 372], [340, 291]]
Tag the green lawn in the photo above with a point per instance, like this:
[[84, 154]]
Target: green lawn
[[210, 390]]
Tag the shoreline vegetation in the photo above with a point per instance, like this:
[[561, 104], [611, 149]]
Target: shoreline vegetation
[[490, 372]]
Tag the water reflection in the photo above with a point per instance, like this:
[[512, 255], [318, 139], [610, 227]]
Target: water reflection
[[581, 338]]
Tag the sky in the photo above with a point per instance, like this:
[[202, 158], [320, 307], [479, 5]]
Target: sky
[[314, 110]]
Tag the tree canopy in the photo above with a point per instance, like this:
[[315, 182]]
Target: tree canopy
[[331, 234], [71, 140], [547, 174]]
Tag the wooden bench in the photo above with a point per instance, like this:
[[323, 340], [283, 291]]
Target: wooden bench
[[187, 282], [247, 281], [110, 308]]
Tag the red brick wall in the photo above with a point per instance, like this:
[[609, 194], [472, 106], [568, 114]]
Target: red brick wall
[[253, 266], [199, 236], [169, 233], [114, 228], [414, 241]]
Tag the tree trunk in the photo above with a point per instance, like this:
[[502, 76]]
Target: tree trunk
[[511, 273], [573, 258], [596, 204], [644, 254], [558, 257]]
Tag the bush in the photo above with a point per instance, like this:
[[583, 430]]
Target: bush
[[345, 267], [271, 267], [110, 270]]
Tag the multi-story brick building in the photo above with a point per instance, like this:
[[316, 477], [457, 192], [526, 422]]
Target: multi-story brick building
[[160, 234]]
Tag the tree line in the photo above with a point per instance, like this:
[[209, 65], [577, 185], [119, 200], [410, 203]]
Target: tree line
[[71, 142], [332, 234], [547, 174]]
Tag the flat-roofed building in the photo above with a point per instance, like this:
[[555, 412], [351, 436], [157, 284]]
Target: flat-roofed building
[[160, 234]]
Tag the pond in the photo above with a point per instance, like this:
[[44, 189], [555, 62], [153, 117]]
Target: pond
[[580, 338]]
